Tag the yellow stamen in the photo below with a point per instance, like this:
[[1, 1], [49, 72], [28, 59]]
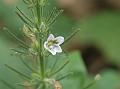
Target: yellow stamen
[[51, 42]]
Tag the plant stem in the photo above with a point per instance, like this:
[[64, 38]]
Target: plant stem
[[41, 56], [38, 11], [41, 59], [40, 40]]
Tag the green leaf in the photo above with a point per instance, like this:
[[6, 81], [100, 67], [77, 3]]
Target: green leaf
[[57, 14], [15, 37], [16, 71], [19, 52], [50, 15], [90, 85], [26, 1], [59, 69], [71, 36], [24, 15], [29, 67], [64, 76], [7, 84], [23, 19], [78, 68]]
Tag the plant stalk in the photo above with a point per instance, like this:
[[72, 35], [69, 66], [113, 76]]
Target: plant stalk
[[41, 59], [40, 40]]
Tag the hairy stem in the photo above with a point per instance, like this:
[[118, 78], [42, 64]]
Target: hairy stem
[[41, 58], [40, 40]]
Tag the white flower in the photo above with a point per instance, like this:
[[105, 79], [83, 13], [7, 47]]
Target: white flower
[[53, 44]]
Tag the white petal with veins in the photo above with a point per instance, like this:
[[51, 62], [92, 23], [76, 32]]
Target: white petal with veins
[[51, 37], [52, 51], [58, 49], [60, 40]]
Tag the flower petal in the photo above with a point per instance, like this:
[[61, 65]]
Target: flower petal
[[52, 51], [51, 37], [45, 45], [60, 40], [57, 48]]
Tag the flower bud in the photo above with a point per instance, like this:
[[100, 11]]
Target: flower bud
[[97, 77]]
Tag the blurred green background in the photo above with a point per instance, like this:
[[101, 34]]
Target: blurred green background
[[102, 30]]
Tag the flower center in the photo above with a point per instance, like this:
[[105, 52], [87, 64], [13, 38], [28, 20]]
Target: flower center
[[51, 42]]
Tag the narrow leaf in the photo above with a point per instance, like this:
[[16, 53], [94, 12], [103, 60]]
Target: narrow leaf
[[55, 17], [72, 35], [14, 36], [50, 15], [27, 65], [24, 85], [90, 85], [54, 64], [7, 84], [59, 69], [25, 1], [23, 19], [64, 76], [24, 15], [17, 71], [20, 52]]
